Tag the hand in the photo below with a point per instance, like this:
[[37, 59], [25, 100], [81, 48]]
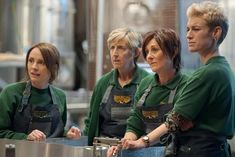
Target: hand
[[74, 133], [36, 135], [131, 144], [112, 151]]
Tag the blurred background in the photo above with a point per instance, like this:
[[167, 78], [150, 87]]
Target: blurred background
[[79, 28]]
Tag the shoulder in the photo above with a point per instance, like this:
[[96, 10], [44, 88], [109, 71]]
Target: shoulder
[[103, 83], [208, 73], [14, 87], [183, 78], [58, 91], [142, 72], [144, 84], [149, 78], [146, 81], [105, 79]]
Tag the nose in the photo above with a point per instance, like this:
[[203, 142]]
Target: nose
[[188, 34], [115, 51], [149, 56], [35, 65]]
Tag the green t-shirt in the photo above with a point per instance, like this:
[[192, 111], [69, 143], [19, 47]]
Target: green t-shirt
[[11, 97], [159, 94], [208, 98]]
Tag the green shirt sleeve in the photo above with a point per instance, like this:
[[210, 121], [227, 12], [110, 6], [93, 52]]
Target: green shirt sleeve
[[208, 98], [8, 103], [135, 121]]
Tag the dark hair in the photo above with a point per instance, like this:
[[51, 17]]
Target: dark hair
[[169, 43], [51, 57]]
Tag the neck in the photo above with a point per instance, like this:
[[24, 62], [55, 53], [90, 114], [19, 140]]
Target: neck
[[125, 77], [205, 56], [40, 85], [209, 53], [166, 76]]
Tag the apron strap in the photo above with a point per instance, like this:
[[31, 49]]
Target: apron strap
[[26, 95], [172, 95], [143, 97], [54, 100], [146, 93], [106, 94]]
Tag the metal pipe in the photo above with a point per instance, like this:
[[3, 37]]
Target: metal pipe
[[99, 42]]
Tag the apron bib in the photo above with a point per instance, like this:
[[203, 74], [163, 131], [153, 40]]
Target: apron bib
[[115, 109], [45, 118], [153, 116]]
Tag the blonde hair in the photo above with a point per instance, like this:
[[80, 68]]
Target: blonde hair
[[212, 13], [133, 38]]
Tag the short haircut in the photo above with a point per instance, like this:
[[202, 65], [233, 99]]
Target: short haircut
[[212, 13], [169, 43], [133, 38]]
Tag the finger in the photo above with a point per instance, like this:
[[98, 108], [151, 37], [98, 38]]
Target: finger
[[38, 135], [109, 152]]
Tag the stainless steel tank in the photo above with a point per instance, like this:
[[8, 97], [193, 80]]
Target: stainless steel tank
[[23, 148]]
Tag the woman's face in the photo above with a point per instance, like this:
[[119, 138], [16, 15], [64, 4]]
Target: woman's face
[[199, 36], [158, 61], [122, 57], [38, 73]]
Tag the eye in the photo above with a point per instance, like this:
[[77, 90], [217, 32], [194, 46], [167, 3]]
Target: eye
[[112, 47], [41, 62], [154, 49], [187, 29], [121, 48], [195, 29], [30, 60], [146, 52]]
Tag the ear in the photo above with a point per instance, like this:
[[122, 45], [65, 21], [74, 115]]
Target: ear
[[217, 32], [173, 57], [137, 52]]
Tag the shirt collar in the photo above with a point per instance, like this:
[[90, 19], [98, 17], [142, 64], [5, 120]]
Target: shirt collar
[[171, 84], [135, 78]]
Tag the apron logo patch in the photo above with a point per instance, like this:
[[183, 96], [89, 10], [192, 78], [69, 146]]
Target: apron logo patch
[[40, 114], [122, 99], [150, 114]]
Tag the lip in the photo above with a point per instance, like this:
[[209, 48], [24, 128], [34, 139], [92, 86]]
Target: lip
[[34, 74], [116, 61], [153, 63], [191, 42]]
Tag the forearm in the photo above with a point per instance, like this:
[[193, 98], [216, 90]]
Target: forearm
[[157, 133], [130, 136], [12, 135], [173, 123]]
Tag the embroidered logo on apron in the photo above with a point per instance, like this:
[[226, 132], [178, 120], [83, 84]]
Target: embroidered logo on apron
[[120, 99], [150, 114]]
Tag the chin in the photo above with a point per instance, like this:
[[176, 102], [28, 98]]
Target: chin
[[192, 50], [116, 66]]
